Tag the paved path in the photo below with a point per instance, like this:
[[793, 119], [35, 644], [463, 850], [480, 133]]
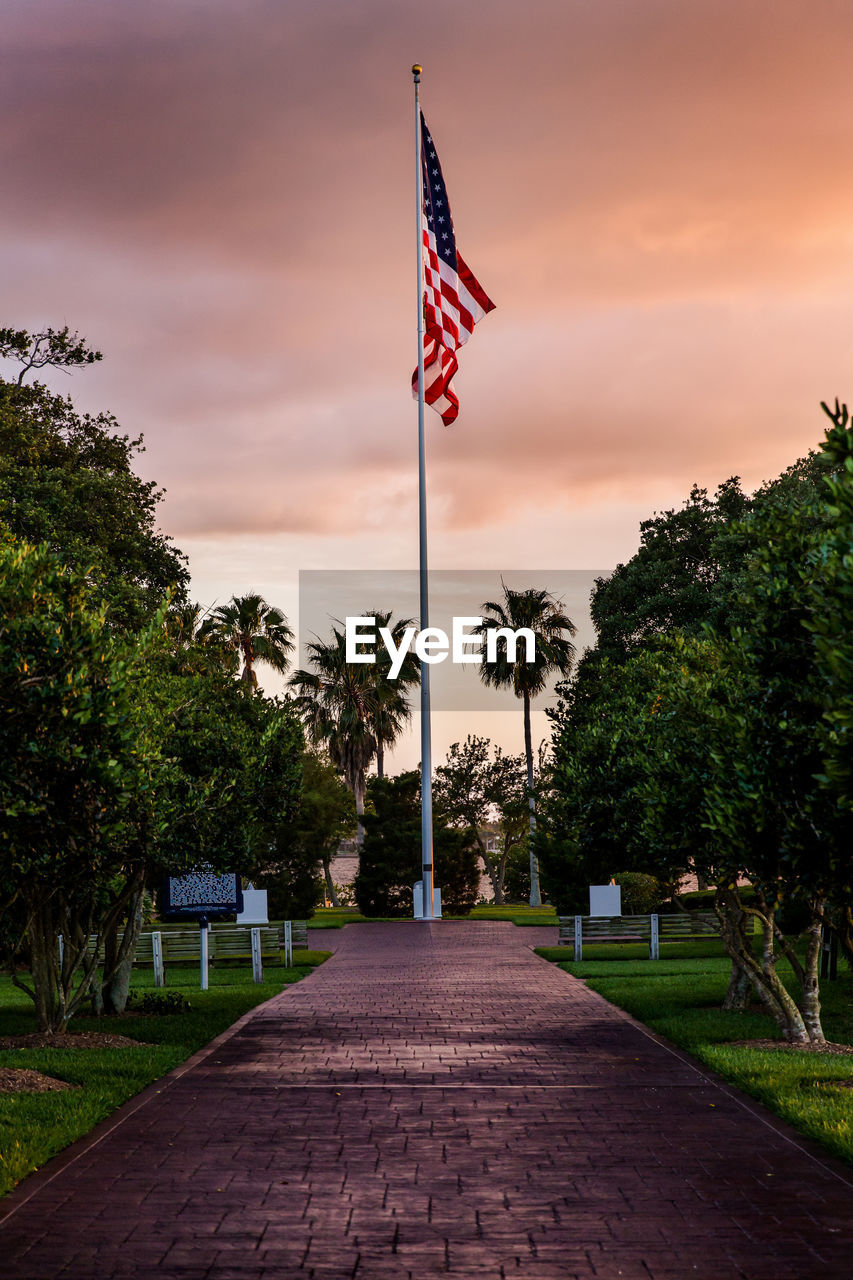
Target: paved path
[[435, 1099]]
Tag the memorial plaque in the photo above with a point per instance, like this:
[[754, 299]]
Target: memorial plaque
[[201, 893]]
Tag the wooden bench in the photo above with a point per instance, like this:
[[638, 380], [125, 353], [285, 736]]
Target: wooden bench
[[180, 944], [299, 931], [603, 929], [234, 942], [575, 931]]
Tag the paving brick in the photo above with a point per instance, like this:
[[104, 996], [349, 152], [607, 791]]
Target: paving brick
[[435, 1100]]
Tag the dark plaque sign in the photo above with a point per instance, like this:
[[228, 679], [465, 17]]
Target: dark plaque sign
[[201, 893]]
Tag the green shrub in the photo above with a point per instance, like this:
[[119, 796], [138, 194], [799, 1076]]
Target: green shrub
[[159, 1002], [641, 894]]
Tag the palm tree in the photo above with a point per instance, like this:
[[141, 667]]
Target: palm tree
[[339, 704], [253, 630], [393, 711], [542, 614]]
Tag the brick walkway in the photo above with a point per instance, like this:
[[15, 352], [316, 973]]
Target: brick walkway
[[433, 1100]]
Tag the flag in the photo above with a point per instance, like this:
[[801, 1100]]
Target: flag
[[453, 300]]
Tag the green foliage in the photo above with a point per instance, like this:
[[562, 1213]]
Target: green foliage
[[701, 731], [69, 771], [50, 348], [641, 893], [831, 609], [253, 631], [67, 480], [538, 612], [338, 701], [325, 815], [390, 862], [607, 723], [471, 788], [160, 1002], [517, 878], [391, 710], [674, 580]]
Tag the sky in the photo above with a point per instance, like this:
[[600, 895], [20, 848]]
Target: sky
[[221, 197]]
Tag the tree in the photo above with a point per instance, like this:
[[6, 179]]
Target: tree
[[831, 608], [591, 820], [325, 816], [390, 862], [674, 580], [69, 768], [67, 480], [470, 788], [49, 348], [392, 710], [289, 866], [722, 746], [255, 631], [538, 611], [339, 703]]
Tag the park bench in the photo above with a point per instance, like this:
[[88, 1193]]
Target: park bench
[[299, 933], [575, 931], [180, 944]]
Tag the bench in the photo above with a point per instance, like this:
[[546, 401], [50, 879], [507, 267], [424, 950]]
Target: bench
[[234, 942], [574, 931], [180, 944], [299, 932]]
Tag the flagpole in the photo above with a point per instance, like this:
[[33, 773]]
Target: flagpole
[[426, 737]]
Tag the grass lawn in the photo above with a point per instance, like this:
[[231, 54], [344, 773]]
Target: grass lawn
[[517, 913], [34, 1126], [337, 917], [679, 996]]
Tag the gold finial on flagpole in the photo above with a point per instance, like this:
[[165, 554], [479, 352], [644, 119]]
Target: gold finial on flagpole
[[416, 71]]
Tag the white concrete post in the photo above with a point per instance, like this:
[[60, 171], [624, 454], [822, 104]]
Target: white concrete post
[[578, 938], [157, 957], [288, 943], [654, 942], [257, 966], [202, 935]]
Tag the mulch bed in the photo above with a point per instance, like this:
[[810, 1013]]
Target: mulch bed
[[70, 1040], [828, 1046], [23, 1080]]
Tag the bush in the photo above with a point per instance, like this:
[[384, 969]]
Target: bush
[[641, 894], [390, 861], [159, 1002]]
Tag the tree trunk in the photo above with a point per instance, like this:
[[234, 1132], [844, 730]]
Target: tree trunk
[[44, 968], [380, 758], [535, 896], [761, 973], [740, 988], [809, 975], [493, 871], [358, 791], [118, 958], [330, 884]]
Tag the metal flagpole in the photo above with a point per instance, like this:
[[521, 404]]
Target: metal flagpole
[[426, 740]]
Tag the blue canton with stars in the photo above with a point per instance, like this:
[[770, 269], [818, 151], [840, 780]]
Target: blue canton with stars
[[436, 204]]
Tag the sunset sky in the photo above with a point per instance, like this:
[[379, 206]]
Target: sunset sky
[[220, 195]]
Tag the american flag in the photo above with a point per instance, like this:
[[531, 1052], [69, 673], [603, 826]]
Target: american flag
[[453, 300]]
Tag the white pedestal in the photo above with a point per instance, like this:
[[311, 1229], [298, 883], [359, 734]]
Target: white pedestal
[[255, 909], [605, 900], [418, 901]]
